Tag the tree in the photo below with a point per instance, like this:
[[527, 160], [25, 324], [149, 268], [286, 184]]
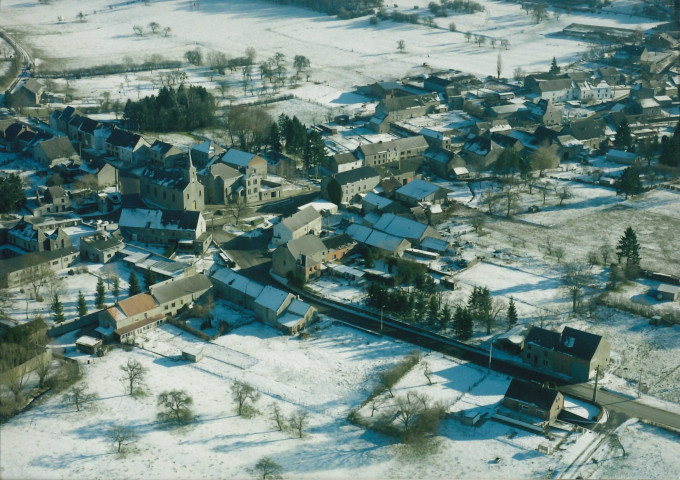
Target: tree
[[120, 435], [298, 421], [78, 395], [490, 199], [505, 43], [334, 191], [12, 194], [242, 393], [518, 74], [575, 278], [432, 310], [417, 417], [511, 199], [133, 374], [544, 158], [274, 140], [42, 369], [623, 138], [628, 247], [116, 287], [478, 221], [512, 313], [401, 46], [300, 63], [558, 252], [462, 321], [499, 66], [427, 372], [194, 57], [176, 406], [166, 31], [236, 207], [445, 318], [82, 305], [248, 126], [134, 288], [452, 27], [628, 182], [276, 417], [564, 193], [605, 253], [670, 149], [139, 31], [481, 40], [57, 310], [554, 68], [6, 302], [154, 26], [149, 277], [267, 469], [100, 295], [80, 17]]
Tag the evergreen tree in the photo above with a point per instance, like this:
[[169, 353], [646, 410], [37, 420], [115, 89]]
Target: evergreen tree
[[368, 257], [554, 68], [629, 248], [134, 284], [623, 138], [11, 193], [432, 311], [629, 182], [149, 277], [100, 295], [512, 313], [82, 305], [274, 139], [463, 323], [57, 310], [116, 287], [420, 307], [445, 318], [670, 150]]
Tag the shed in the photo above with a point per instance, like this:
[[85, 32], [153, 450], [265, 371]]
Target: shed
[[667, 292], [192, 354], [87, 344]]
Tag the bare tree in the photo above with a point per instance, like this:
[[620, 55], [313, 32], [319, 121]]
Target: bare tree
[[417, 417], [176, 406], [16, 378], [298, 421], [564, 193], [242, 393], [544, 158], [559, 253], [37, 275], [427, 372], [154, 26], [267, 469], [511, 198], [499, 66], [236, 207], [43, 368], [575, 278], [478, 221], [133, 374], [120, 435], [401, 46], [78, 395], [490, 199], [277, 417], [139, 31], [606, 252], [6, 302], [375, 403]]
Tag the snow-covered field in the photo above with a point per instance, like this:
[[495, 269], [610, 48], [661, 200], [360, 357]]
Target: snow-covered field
[[343, 53], [325, 375]]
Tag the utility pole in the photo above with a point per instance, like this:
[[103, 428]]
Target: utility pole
[[381, 317], [597, 375], [490, 350], [639, 385]]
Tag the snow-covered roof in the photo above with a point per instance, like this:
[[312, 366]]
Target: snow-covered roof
[[271, 298], [301, 219], [237, 157], [418, 189], [376, 200], [159, 219], [289, 319], [320, 206], [436, 244], [400, 226], [88, 341], [237, 282], [298, 307]]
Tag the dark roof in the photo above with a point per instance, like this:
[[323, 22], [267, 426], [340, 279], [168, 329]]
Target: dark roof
[[33, 85], [161, 146], [356, 175], [173, 178], [532, 392], [438, 80], [504, 140], [123, 138], [12, 131], [57, 147], [88, 125], [100, 241], [34, 258], [345, 157], [578, 343], [542, 337], [585, 129], [185, 220], [337, 242], [546, 134]]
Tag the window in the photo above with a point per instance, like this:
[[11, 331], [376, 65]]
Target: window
[[173, 304], [55, 262], [187, 196], [545, 363]]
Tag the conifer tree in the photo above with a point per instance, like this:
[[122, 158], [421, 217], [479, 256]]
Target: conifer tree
[[554, 68], [134, 284], [623, 138], [512, 313], [149, 277], [57, 310], [100, 296], [116, 287], [82, 305], [629, 248], [445, 318]]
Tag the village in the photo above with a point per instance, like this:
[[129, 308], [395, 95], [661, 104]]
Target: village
[[452, 274]]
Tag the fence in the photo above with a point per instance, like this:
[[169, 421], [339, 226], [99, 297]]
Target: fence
[[84, 321], [189, 329]]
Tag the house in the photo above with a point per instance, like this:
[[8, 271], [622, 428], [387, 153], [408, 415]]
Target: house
[[418, 191], [165, 155], [88, 345], [586, 92], [235, 288], [479, 152], [590, 132], [104, 173], [402, 227], [53, 151], [54, 200], [33, 238], [372, 201], [161, 226], [568, 148], [669, 293], [381, 241], [174, 188], [382, 89], [220, 182], [271, 303], [203, 152], [338, 246], [89, 134], [611, 75], [399, 150], [398, 108], [342, 162], [621, 156], [573, 353], [343, 187], [245, 162], [127, 147], [59, 119], [302, 257], [532, 399], [558, 90], [100, 247], [28, 94], [307, 221], [21, 269]]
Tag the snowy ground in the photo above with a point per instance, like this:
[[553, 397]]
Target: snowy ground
[[58, 442], [343, 53]]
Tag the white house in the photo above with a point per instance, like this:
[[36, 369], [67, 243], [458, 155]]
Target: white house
[[297, 225], [586, 92]]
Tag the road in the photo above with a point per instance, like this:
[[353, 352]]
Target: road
[[19, 50]]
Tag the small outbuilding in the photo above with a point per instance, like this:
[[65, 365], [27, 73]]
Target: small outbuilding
[[667, 292], [89, 345], [192, 354]]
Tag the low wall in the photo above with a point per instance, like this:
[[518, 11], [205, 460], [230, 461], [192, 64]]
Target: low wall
[[77, 324], [27, 366]]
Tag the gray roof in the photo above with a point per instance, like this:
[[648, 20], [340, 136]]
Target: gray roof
[[14, 264], [356, 175], [57, 147], [306, 245], [301, 218], [237, 282], [33, 85], [237, 157], [172, 289], [553, 85], [100, 241], [343, 158], [400, 226], [418, 189]]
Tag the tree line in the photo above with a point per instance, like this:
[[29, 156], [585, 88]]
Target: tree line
[[180, 109], [342, 8]]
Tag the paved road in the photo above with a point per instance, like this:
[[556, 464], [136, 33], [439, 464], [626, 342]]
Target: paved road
[[620, 404]]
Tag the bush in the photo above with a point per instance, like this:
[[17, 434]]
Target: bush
[[71, 272], [452, 27], [373, 20]]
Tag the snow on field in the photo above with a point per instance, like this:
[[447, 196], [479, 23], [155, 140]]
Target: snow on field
[[650, 453], [338, 289], [343, 53]]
